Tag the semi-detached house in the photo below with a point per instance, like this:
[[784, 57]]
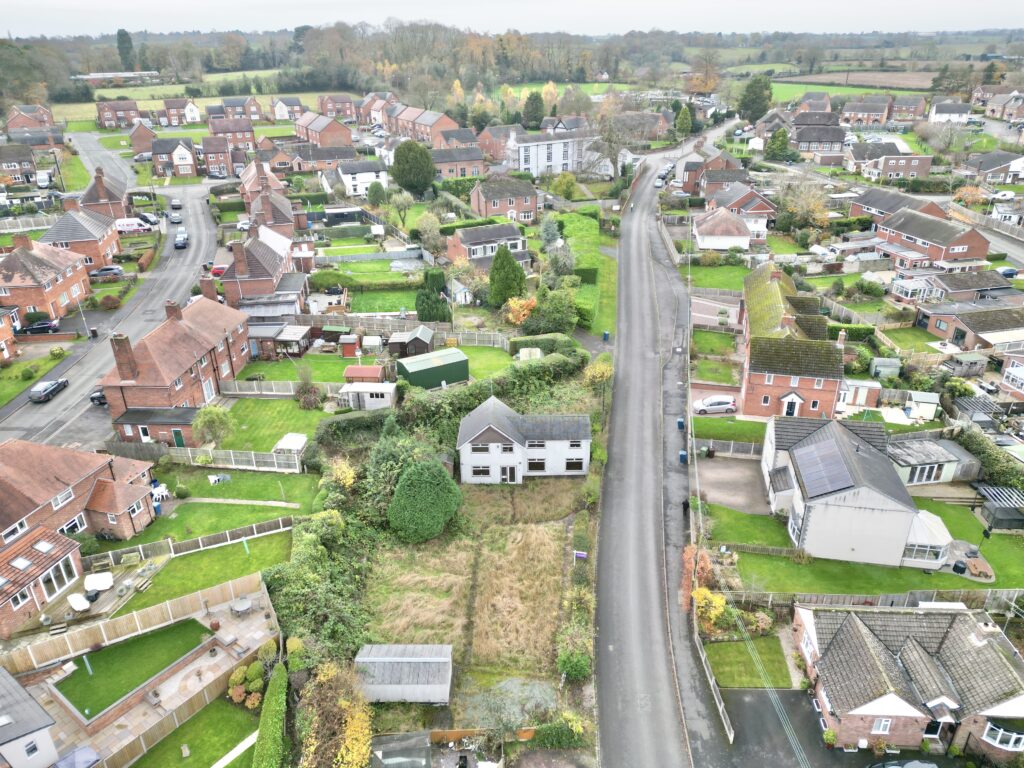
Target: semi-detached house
[[117, 114], [336, 105], [458, 163], [28, 117], [322, 131], [37, 277], [998, 167], [90, 234], [286, 108], [237, 130], [107, 195], [17, 162], [428, 126], [880, 203], [917, 241]]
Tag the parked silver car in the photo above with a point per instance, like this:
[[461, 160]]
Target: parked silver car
[[715, 404]]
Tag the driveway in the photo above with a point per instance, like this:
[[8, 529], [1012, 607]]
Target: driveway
[[734, 483]]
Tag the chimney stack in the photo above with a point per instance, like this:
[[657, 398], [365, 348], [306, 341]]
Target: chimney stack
[[208, 288], [22, 240], [241, 265], [71, 204], [841, 340], [788, 321], [776, 275], [173, 310], [101, 187], [124, 357]]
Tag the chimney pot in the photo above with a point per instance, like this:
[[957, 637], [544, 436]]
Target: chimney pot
[[124, 357], [173, 310]]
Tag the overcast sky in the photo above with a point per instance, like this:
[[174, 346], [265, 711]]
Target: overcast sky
[[68, 17]]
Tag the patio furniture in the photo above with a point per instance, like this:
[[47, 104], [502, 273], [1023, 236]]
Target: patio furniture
[[978, 569], [160, 493], [92, 595], [144, 585], [131, 558], [99, 582], [78, 602], [241, 606]]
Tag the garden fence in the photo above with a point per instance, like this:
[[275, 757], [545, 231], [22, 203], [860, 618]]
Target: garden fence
[[342, 258], [54, 650], [731, 448], [715, 292], [258, 462], [731, 330], [385, 326], [138, 451], [757, 549], [389, 229], [169, 548], [284, 389], [987, 599], [957, 211], [26, 223], [666, 239], [921, 434], [709, 673]]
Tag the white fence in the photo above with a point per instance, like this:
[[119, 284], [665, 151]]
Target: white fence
[[273, 388], [712, 682], [26, 223], [385, 326], [260, 462], [730, 448], [966, 214]]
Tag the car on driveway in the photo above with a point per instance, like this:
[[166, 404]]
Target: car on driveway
[[143, 157], [219, 270], [174, 218], [243, 225], [715, 404], [42, 326], [112, 271], [333, 290], [1008, 272], [1004, 195], [45, 391], [97, 397], [176, 204], [149, 218]]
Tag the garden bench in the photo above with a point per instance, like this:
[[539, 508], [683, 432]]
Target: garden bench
[[144, 585], [58, 629]]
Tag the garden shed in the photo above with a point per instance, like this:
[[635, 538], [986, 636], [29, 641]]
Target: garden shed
[[420, 674], [435, 369], [418, 341], [1003, 507]]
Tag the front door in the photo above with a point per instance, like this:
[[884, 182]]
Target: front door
[[144, 434], [791, 407], [958, 336], [208, 389], [508, 475], [179, 439]]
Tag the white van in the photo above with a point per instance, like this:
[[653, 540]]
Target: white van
[[132, 226], [42, 179]]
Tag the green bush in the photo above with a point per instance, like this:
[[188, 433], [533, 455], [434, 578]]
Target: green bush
[[310, 198], [255, 671], [269, 751], [255, 686], [449, 229], [1000, 468], [57, 353], [459, 187], [182, 491], [425, 501], [87, 544], [547, 343], [336, 432], [237, 677], [850, 224], [28, 373], [267, 652], [236, 206], [560, 734], [587, 275], [854, 331]]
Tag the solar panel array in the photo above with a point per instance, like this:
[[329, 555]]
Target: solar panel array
[[822, 468]]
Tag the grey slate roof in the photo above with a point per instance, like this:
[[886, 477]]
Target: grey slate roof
[[865, 151], [360, 166], [404, 665], [497, 187], [167, 146], [815, 118], [464, 135], [15, 153], [991, 320], [520, 428], [964, 281], [781, 479], [990, 160], [116, 188], [169, 416], [819, 133], [790, 430], [889, 201], [27, 715], [952, 108], [925, 227], [76, 226], [910, 453], [488, 233], [421, 332], [457, 155]]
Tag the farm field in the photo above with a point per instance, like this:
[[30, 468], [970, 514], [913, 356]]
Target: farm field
[[920, 81], [790, 91]]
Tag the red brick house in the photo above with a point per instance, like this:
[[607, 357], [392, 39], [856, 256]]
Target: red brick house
[[8, 344], [258, 265], [141, 137], [274, 210], [909, 108], [478, 245], [336, 105], [304, 158], [404, 119], [915, 240], [973, 325], [17, 163], [36, 277], [493, 138], [92, 235], [174, 157], [456, 138], [254, 179], [242, 106], [365, 105], [713, 180], [117, 114], [790, 366], [237, 130], [938, 674], [216, 155], [880, 203], [28, 117], [690, 172], [157, 385], [514, 199], [182, 112], [107, 195], [429, 126], [459, 163], [322, 131], [871, 109]]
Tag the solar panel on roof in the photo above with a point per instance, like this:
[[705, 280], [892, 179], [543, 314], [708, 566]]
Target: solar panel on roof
[[822, 468]]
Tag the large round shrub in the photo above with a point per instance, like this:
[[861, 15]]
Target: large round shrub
[[426, 499]]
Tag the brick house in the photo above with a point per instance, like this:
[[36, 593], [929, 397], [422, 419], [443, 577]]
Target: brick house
[[998, 167], [174, 157], [286, 108], [322, 131], [938, 674], [216, 155], [457, 138], [242, 106], [880, 203], [645, 125], [17, 163], [28, 117], [998, 106], [750, 205], [479, 244], [90, 234], [107, 195], [982, 93], [872, 109], [909, 108], [237, 130], [493, 138], [404, 118], [157, 385], [36, 277], [391, 113], [117, 114], [259, 263], [515, 199], [336, 105], [916, 240], [814, 101], [809, 139], [690, 170], [985, 284], [8, 344], [277, 212], [182, 112], [973, 325], [306, 158], [254, 179], [429, 125], [897, 166], [365, 105], [141, 137], [713, 180], [459, 163], [790, 366]]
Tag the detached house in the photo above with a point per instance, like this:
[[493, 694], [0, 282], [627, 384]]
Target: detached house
[[356, 176], [37, 277], [843, 496], [174, 157], [117, 114], [17, 163], [880, 203], [909, 108], [981, 324], [286, 108], [25, 741], [949, 112], [182, 112], [721, 230], [254, 179], [982, 93], [242, 106], [141, 137], [915, 240], [999, 106], [956, 287], [28, 117], [216, 155], [158, 384], [883, 160], [107, 195], [790, 368], [871, 109], [515, 199], [998, 167], [237, 130], [809, 139], [92, 235], [459, 163], [321, 131], [336, 105], [750, 205], [479, 244], [498, 445], [938, 674]]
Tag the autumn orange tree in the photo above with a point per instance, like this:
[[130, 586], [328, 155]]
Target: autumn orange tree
[[334, 720]]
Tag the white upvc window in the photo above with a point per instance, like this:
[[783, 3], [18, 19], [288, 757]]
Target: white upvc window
[[819, 383], [480, 448], [112, 519], [63, 498], [769, 378], [14, 531], [881, 726], [794, 381], [17, 601], [135, 508]]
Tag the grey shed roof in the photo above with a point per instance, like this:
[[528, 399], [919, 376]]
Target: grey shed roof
[[421, 332], [520, 428], [977, 404], [26, 714], [401, 750], [405, 666], [910, 453], [790, 430], [781, 479], [76, 226]]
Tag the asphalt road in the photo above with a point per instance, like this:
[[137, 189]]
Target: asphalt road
[[94, 155], [70, 419]]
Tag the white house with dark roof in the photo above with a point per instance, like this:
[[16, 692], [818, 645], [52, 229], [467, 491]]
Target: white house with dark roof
[[25, 740], [356, 176], [949, 112], [720, 230], [498, 445], [843, 497]]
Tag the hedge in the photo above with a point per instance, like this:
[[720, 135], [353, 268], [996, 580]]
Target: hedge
[[337, 431], [325, 278], [548, 343], [854, 331], [587, 275], [850, 224], [1000, 467], [590, 211], [236, 206], [146, 259], [449, 229], [230, 188], [310, 198], [269, 750], [355, 230], [524, 175]]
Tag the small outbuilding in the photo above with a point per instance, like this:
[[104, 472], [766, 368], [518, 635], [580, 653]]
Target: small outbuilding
[[418, 341], [435, 369], [368, 396], [364, 373], [419, 674], [348, 343], [922, 405]]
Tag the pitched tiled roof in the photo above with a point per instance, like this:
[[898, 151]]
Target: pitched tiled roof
[[15, 153], [765, 293], [815, 118], [34, 266], [952, 108], [924, 227], [41, 548], [990, 320], [115, 186], [250, 177], [230, 125], [77, 226], [235, 101], [963, 281], [487, 233], [314, 122], [311, 152], [994, 159], [289, 101], [497, 187], [33, 473], [520, 428], [795, 357], [829, 133], [167, 146], [265, 250], [279, 210], [867, 151], [429, 117], [790, 430], [719, 175], [720, 222], [463, 135], [501, 131], [360, 166], [214, 145], [457, 155], [889, 201], [122, 104], [110, 497]]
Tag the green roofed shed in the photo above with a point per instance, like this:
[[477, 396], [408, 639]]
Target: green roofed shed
[[430, 370]]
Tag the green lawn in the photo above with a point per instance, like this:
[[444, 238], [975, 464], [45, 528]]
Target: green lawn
[[73, 171], [190, 573], [783, 244], [584, 237], [412, 216], [99, 290], [484, 362], [778, 68], [895, 429], [181, 181], [345, 250], [713, 343], [791, 91], [122, 667], [729, 278], [117, 141], [383, 301], [143, 174], [271, 486], [210, 734], [7, 239], [716, 371], [824, 282], [1018, 188], [728, 428], [913, 338], [11, 383], [734, 666], [257, 425], [323, 367], [736, 527], [372, 266], [194, 519]]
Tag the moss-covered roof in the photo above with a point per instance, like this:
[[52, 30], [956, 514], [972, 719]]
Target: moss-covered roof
[[796, 357], [766, 301]]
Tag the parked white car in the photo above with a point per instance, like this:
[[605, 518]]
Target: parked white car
[[715, 404]]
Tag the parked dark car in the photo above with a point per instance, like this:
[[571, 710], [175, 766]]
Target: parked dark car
[[1008, 272], [180, 242], [42, 326], [98, 398], [45, 391], [333, 290], [149, 218]]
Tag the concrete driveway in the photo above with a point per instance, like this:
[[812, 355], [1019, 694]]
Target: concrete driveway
[[734, 483]]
